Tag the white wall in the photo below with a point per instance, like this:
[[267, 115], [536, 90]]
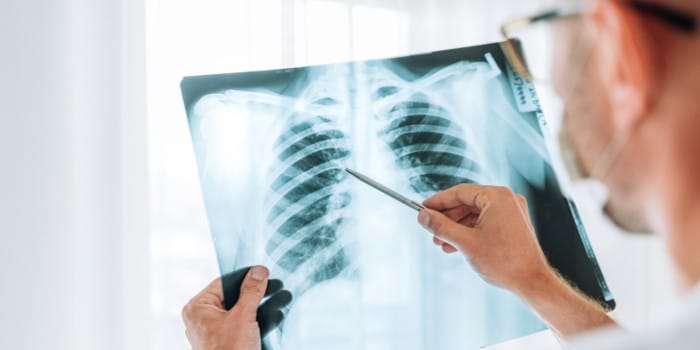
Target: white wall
[[34, 178], [72, 176]]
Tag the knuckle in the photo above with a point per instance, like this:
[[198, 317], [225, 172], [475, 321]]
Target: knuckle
[[504, 191], [439, 225], [482, 197], [521, 200], [436, 226], [186, 312]]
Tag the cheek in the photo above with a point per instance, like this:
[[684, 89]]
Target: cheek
[[584, 114], [564, 34], [558, 82], [559, 74]]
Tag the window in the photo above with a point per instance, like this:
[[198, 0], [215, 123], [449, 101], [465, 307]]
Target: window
[[190, 37]]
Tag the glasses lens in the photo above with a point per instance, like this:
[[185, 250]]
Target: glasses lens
[[535, 50], [549, 47]]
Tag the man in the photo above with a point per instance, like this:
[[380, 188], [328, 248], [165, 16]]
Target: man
[[628, 74]]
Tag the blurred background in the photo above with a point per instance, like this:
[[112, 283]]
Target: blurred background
[[104, 235]]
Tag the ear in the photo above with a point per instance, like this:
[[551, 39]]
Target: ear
[[627, 60]]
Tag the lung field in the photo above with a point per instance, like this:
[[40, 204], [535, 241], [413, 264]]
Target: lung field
[[428, 145], [310, 210]]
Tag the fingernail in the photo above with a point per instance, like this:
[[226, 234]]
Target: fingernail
[[258, 273], [424, 218]]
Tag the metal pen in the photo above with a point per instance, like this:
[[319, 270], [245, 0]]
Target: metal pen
[[391, 193]]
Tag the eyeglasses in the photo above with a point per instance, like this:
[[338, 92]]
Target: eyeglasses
[[528, 37]]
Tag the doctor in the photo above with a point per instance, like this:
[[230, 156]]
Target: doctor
[[628, 73]]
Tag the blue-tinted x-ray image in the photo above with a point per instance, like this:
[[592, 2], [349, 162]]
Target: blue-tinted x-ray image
[[272, 147]]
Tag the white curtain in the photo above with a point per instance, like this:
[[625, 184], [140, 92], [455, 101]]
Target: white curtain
[[73, 211]]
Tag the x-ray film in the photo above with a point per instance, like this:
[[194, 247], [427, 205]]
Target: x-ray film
[[272, 147]]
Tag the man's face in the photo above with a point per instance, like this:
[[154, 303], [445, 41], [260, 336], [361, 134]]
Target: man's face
[[577, 77]]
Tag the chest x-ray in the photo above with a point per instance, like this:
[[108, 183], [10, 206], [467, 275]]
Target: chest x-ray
[[272, 147]]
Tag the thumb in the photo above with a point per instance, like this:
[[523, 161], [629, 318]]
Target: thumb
[[252, 291], [445, 228]]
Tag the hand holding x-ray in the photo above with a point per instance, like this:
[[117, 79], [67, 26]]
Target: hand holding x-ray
[[211, 324], [269, 314], [489, 225]]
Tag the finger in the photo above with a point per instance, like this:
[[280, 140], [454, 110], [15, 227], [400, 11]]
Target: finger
[[211, 294], [470, 220], [273, 286], [270, 322], [445, 228], [252, 291], [449, 249], [523, 204], [276, 301], [460, 195], [446, 247], [232, 286], [210, 297], [269, 315], [458, 213]]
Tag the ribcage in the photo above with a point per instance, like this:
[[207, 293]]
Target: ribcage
[[309, 202], [427, 144]]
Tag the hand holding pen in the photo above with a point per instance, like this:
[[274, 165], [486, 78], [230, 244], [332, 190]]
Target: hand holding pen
[[489, 225]]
